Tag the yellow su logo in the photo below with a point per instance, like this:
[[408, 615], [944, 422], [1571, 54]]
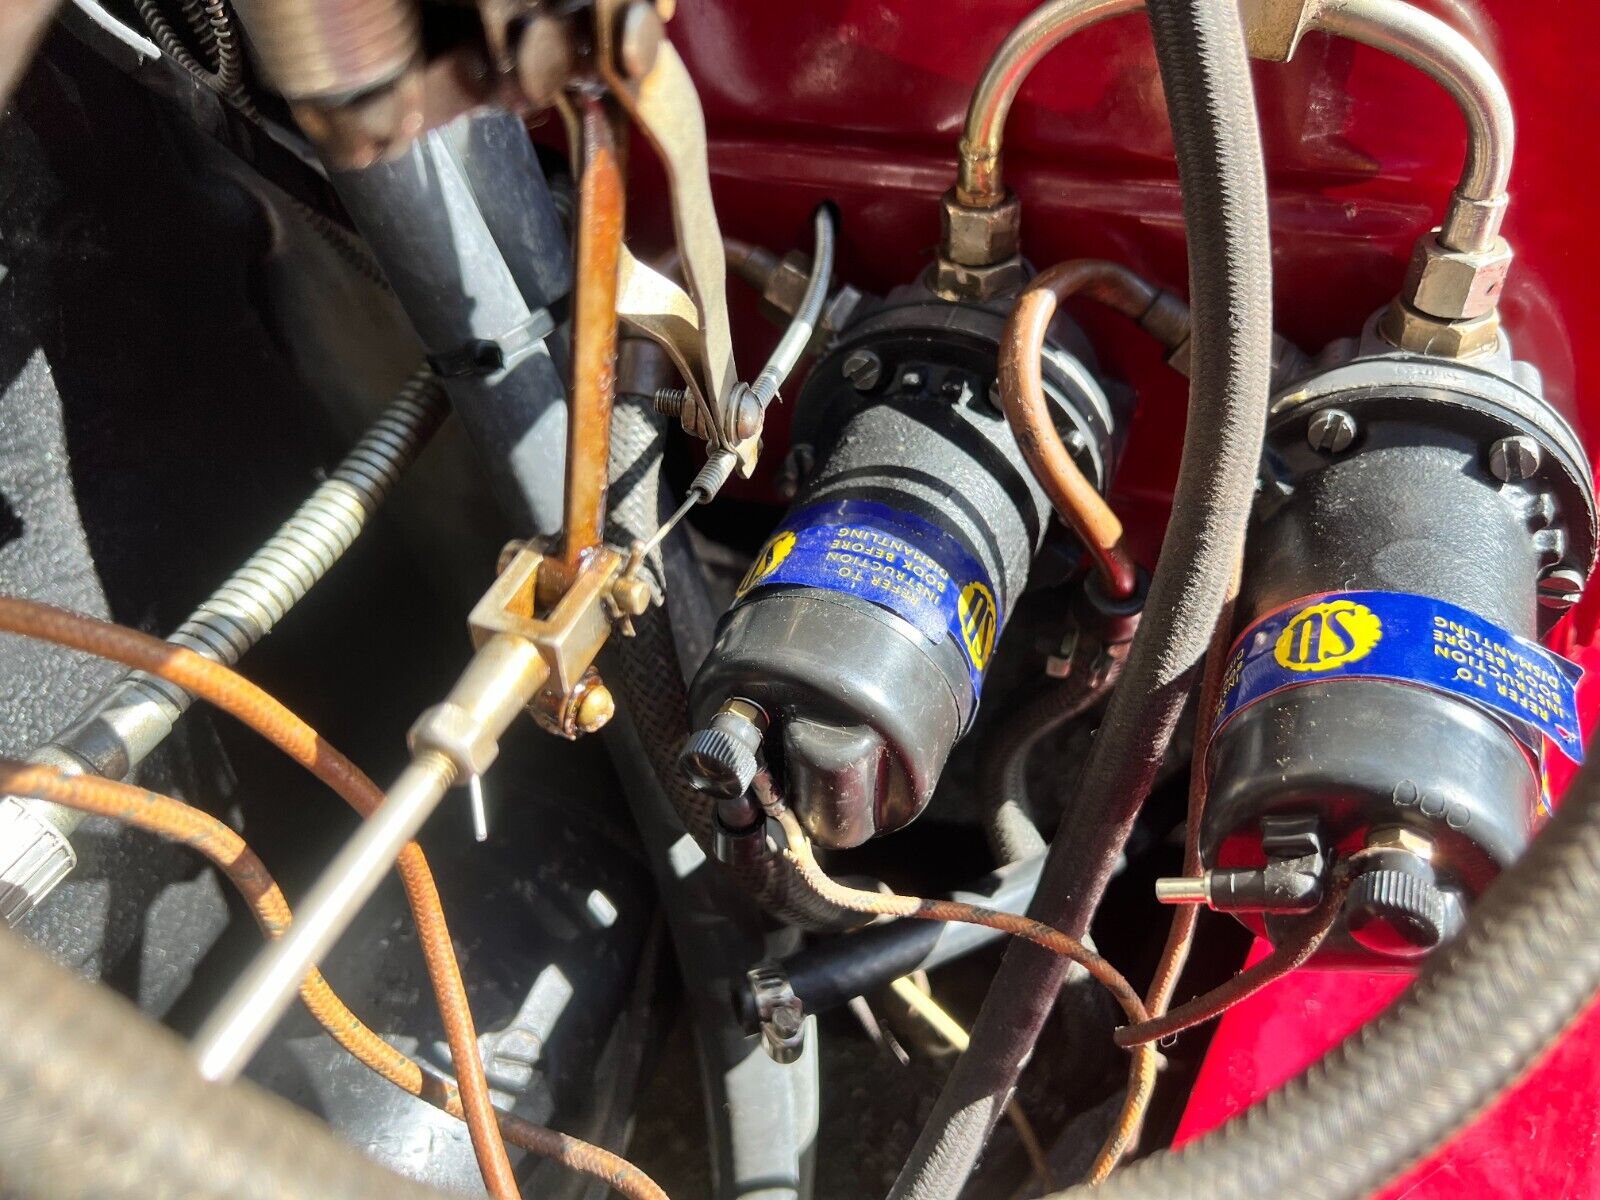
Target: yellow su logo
[[768, 561], [979, 622], [1328, 635]]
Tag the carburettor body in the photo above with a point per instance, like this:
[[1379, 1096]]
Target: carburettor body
[[865, 626], [1421, 524]]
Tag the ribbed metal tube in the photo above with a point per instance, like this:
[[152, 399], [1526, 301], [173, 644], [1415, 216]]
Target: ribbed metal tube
[[277, 577], [332, 49], [136, 714]]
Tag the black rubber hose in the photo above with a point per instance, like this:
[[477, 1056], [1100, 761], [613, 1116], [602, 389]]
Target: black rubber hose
[[1204, 68], [98, 1103], [1478, 1016], [648, 680], [1009, 818]]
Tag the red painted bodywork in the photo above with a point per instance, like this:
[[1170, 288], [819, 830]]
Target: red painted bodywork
[[861, 102]]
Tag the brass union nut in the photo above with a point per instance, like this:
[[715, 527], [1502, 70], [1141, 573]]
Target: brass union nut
[[1398, 837], [1456, 284], [979, 237], [952, 281], [1420, 333]]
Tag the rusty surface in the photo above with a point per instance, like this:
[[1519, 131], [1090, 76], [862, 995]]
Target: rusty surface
[[594, 339], [1022, 396]]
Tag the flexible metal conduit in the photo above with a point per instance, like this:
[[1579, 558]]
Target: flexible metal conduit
[[121, 729], [804, 322], [1478, 204]]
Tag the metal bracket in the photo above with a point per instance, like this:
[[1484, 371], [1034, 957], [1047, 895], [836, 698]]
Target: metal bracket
[[571, 635], [651, 304], [665, 106]]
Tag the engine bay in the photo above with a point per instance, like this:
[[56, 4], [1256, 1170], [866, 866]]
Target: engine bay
[[939, 498]]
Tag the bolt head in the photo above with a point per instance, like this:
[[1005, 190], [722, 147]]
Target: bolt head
[[596, 708], [747, 415], [640, 32], [544, 57], [863, 369], [1560, 587], [631, 595], [1513, 459], [1331, 431]]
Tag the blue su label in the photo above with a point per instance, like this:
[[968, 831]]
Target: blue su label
[[1409, 639], [890, 558]]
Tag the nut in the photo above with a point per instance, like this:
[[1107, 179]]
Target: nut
[[953, 281], [1331, 431], [1420, 333], [1398, 837], [452, 731], [639, 36], [1456, 284], [841, 307], [979, 237], [786, 286], [595, 709]]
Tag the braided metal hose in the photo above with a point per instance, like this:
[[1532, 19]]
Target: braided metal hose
[[137, 713], [100, 1103]]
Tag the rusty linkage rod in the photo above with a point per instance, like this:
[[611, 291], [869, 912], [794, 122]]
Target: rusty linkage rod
[[594, 335]]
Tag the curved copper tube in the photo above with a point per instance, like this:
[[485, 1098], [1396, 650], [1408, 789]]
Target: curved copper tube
[[236, 695], [173, 819], [1022, 397]]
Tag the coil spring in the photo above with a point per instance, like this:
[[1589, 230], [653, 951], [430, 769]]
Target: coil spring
[[256, 596], [213, 30]]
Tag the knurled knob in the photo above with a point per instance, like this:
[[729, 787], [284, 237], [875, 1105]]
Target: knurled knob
[[1395, 911], [718, 763]]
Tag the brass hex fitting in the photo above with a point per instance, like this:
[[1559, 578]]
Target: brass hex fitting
[[449, 729], [1398, 837], [953, 281], [978, 249], [1421, 333], [979, 237], [1456, 284]]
